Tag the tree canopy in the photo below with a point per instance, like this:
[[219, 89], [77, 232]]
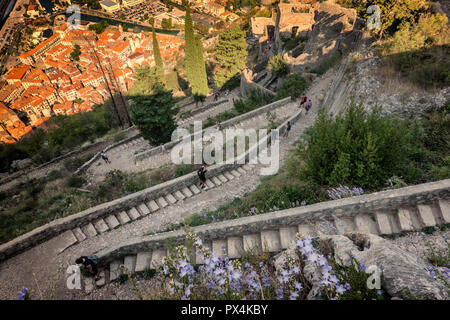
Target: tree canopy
[[231, 54]]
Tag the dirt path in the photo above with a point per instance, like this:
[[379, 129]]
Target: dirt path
[[37, 268]]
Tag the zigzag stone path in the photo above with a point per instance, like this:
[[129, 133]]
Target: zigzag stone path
[[123, 157], [43, 260]]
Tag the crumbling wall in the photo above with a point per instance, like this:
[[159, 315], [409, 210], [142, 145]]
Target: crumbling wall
[[247, 83]]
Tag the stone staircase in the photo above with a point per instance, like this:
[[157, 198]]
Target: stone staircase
[[150, 206], [385, 221], [260, 121]]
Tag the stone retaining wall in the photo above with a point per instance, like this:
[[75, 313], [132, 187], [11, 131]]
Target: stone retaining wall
[[384, 200], [204, 108]]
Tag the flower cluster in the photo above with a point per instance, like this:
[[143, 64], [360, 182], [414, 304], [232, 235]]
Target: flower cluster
[[222, 278], [329, 280], [344, 192], [24, 294]]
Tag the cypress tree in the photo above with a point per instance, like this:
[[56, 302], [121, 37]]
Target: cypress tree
[[157, 54], [200, 90], [231, 54], [194, 61], [189, 44]]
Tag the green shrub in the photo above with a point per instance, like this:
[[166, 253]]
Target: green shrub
[[294, 85], [357, 148], [278, 66], [75, 181], [54, 175], [119, 136], [419, 50], [253, 99]]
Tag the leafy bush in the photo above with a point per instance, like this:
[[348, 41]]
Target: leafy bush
[[75, 181], [357, 148], [119, 136], [54, 175], [294, 85], [254, 99], [278, 66], [420, 50]]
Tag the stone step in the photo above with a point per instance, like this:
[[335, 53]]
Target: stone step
[[270, 240], [246, 167], [79, 234], [143, 209], [219, 248], [444, 208], [123, 217], [134, 214], [103, 278], [89, 284], [287, 236], [114, 270], [344, 224], [162, 203], [426, 215], [188, 193], [130, 263], [252, 243], [171, 199], [235, 173], [228, 175], [194, 189], [152, 205], [179, 195], [235, 247], [306, 230], [404, 219], [157, 256], [101, 226], [216, 181], [112, 221], [365, 224], [65, 240], [222, 178], [143, 261], [383, 223], [241, 171], [89, 230], [210, 184]]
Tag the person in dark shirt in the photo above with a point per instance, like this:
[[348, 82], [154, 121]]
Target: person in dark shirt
[[90, 265], [288, 128], [201, 174]]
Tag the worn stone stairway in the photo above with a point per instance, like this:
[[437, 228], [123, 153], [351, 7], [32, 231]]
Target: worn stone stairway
[[143, 209], [259, 122], [403, 219]]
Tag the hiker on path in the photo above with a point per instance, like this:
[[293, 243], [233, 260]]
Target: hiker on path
[[303, 100], [288, 128], [90, 263], [308, 106], [201, 175], [219, 126], [105, 157]]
